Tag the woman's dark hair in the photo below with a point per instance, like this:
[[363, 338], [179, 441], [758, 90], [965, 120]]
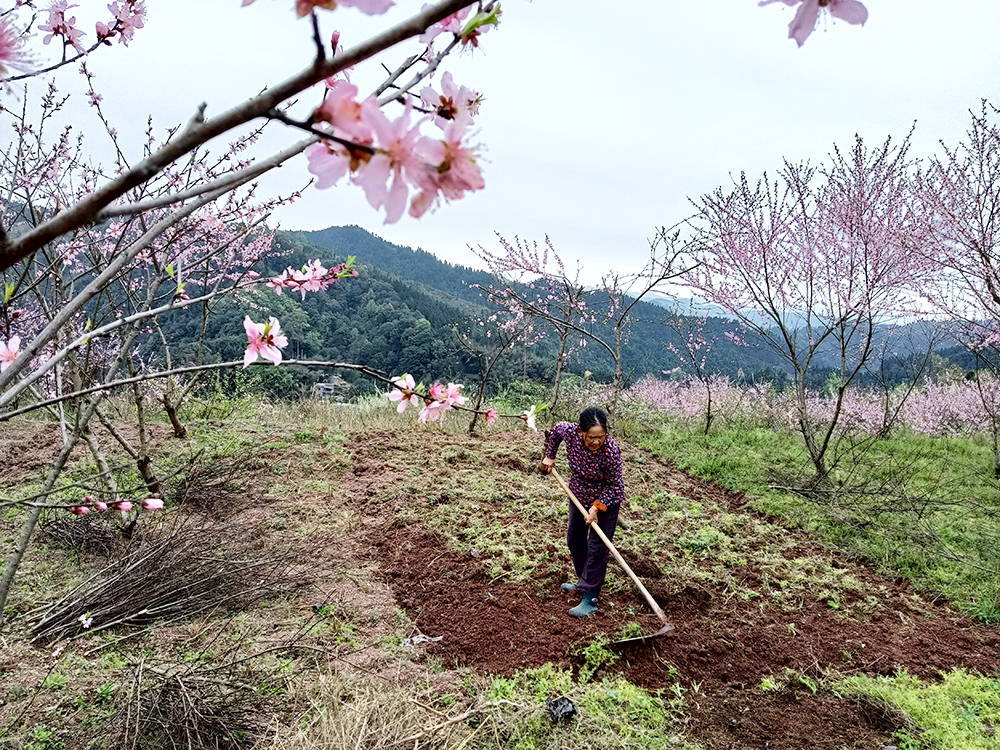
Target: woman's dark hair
[[592, 417]]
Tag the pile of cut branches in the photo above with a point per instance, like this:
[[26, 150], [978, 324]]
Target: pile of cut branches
[[199, 706], [178, 574], [89, 535], [217, 484]]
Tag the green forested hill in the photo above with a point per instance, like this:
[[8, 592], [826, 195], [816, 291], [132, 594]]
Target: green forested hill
[[401, 313], [413, 265], [448, 287]]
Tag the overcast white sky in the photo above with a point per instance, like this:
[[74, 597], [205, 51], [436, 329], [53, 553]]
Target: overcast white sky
[[600, 118]]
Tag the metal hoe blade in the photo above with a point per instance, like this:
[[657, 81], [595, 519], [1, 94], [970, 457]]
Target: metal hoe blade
[[643, 638]]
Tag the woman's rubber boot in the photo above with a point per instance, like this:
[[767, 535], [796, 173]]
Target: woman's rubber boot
[[569, 587], [586, 607]]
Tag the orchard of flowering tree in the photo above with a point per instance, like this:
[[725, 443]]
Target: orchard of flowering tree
[[800, 376]]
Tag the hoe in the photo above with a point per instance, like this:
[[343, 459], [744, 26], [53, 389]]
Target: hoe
[[666, 626]]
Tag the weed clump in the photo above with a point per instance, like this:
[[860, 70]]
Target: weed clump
[[613, 713]]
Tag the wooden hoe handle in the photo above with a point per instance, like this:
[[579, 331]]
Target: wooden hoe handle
[[607, 542]]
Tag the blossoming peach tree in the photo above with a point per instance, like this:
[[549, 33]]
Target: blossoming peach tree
[[815, 260], [93, 255]]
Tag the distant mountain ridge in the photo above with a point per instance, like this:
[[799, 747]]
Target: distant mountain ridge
[[402, 313], [405, 262], [451, 286]]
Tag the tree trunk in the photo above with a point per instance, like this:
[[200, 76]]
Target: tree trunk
[[708, 408], [618, 382], [143, 461], [557, 382], [816, 453], [148, 475], [106, 476], [996, 449], [28, 528], [180, 431], [479, 403], [883, 431]]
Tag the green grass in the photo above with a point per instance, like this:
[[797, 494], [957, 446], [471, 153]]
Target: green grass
[[470, 500], [920, 542], [703, 545], [960, 711], [612, 713]]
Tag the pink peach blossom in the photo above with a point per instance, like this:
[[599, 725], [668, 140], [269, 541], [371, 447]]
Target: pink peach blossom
[[450, 168], [396, 157], [453, 395], [529, 417], [450, 24], [403, 392], [329, 161], [433, 411], [341, 109], [263, 340], [11, 53], [58, 25], [9, 352], [491, 416], [305, 7], [129, 16], [371, 7], [453, 102], [852, 11], [152, 503]]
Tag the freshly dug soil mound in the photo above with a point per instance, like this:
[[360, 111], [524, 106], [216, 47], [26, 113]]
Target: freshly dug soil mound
[[734, 720], [498, 627], [501, 627]]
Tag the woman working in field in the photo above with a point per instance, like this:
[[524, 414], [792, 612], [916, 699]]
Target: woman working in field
[[595, 463]]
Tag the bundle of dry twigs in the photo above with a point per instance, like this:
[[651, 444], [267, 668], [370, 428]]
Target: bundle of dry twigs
[[194, 706], [175, 575], [217, 484], [90, 535]]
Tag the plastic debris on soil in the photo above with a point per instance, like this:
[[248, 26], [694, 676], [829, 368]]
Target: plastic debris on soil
[[560, 709], [419, 639]]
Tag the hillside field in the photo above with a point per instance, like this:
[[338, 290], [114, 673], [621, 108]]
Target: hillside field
[[383, 584]]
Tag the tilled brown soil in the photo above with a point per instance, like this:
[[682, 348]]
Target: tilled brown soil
[[502, 627], [721, 648]]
